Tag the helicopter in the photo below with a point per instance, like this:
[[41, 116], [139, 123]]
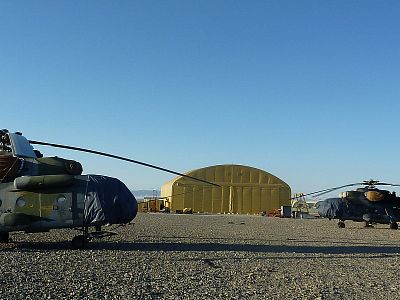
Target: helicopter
[[40, 193], [365, 204]]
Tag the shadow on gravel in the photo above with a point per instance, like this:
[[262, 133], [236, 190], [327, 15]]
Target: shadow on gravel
[[249, 248], [300, 239], [207, 247]]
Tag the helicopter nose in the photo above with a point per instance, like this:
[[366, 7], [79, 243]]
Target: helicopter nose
[[108, 201]]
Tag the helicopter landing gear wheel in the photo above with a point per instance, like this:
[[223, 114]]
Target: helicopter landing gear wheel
[[341, 224], [4, 237], [394, 226], [80, 242]]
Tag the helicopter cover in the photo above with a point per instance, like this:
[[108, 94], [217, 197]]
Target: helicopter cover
[[108, 200], [331, 208]]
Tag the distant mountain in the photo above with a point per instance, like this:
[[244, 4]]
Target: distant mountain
[[140, 194]]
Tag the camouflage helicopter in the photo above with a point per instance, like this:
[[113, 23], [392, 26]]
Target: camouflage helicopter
[[365, 204], [41, 193]]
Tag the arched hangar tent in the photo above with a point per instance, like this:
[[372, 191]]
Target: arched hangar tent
[[244, 190]]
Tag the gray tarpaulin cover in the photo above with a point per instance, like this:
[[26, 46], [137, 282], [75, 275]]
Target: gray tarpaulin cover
[[108, 200], [331, 208], [337, 208]]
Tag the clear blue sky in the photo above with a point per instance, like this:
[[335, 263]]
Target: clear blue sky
[[306, 90]]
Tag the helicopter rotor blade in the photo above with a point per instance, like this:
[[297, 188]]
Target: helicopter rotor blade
[[337, 188], [308, 194], [372, 183], [120, 158], [325, 191], [389, 184], [365, 183]]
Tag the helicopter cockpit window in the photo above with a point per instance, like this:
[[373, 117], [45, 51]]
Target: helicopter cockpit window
[[20, 146], [61, 199], [21, 202], [59, 202]]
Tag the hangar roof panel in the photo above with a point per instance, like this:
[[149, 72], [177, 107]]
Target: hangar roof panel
[[230, 175]]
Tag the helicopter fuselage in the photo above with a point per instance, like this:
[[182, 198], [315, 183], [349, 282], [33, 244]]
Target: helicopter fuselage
[[64, 201], [41, 193], [369, 205]]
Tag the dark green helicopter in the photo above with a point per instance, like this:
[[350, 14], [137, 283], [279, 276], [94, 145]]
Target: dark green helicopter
[[365, 204], [41, 193]]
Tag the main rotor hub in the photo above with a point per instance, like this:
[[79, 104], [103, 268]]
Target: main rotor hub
[[371, 183]]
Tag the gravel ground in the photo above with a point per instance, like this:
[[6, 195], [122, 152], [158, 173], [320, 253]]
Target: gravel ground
[[168, 256]]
